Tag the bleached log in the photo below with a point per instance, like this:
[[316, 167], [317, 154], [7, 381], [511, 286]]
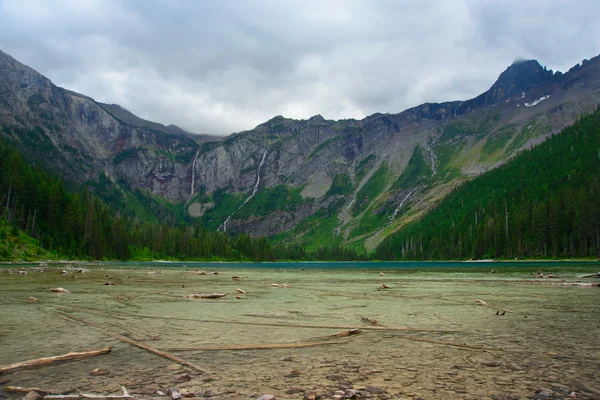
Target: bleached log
[[205, 295], [40, 362]]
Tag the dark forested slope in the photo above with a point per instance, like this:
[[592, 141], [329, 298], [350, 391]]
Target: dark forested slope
[[543, 204]]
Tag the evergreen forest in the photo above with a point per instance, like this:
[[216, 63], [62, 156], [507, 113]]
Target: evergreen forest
[[545, 203]]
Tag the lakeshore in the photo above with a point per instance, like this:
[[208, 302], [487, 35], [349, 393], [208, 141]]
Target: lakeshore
[[423, 335]]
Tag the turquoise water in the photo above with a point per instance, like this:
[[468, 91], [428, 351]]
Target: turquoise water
[[546, 339]]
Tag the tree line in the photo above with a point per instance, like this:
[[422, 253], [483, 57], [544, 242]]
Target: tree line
[[81, 225]]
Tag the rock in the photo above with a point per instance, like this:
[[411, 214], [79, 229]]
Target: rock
[[266, 397], [183, 378], [350, 394], [294, 391], [160, 393], [208, 393], [32, 396], [186, 393], [109, 283], [99, 372], [541, 394], [175, 395], [311, 395]]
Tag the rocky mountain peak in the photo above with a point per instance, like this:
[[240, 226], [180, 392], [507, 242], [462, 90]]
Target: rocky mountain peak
[[517, 79]]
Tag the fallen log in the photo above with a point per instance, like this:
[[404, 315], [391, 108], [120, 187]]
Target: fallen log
[[125, 395], [580, 284], [135, 343], [21, 389], [453, 344], [40, 362], [596, 275], [253, 346], [262, 323], [368, 320], [240, 291], [59, 290], [205, 295], [347, 333]]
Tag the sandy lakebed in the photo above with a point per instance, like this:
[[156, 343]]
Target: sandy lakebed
[[428, 330]]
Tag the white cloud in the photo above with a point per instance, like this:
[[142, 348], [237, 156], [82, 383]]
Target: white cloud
[[221, 67]]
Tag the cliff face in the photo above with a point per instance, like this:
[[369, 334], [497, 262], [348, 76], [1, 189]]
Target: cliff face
[[348, 181]]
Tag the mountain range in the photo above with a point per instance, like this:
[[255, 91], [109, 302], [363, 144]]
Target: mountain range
[[314, 182]]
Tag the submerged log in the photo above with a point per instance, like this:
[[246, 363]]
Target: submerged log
[[347, 333], [482, 303], [254, 346], [59, 290], [205, 295], [240, 291], [125, 395], [40, 362], [580, 284], [281, 285], [596, 275], [135, 343]]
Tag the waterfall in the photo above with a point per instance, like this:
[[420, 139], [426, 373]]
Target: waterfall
[[194, 172], [193, 177], [223, 226], [431, 151], [391, 218]]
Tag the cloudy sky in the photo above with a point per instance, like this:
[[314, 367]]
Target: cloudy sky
[[222, 66]]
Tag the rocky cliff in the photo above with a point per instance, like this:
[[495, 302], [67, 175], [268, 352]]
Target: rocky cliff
[[311, 181]]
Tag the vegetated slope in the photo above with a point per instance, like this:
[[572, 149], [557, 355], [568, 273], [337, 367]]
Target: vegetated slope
[[311, 183], [543, 204], [40, 218]]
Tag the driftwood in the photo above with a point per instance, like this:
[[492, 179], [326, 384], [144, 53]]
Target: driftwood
[[281, 285], [205, 295], [482, 303], [240, 291], [59, 290], [21, 389], [580, 284], [280, 324], [596, 275], [40, 362], [253, 346], [125, 395], [368, 320], [454, 344], [346, 333], [135, 343]]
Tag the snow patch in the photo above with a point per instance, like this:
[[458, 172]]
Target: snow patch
[[536, 102]]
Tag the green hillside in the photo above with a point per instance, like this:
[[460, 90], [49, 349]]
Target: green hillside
[[543, 204]]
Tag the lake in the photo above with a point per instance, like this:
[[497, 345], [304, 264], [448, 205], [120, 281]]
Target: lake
[[429, 330]]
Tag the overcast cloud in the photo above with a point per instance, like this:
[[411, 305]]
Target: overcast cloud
[[225, 66]]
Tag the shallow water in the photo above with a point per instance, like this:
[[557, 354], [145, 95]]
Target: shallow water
[[546, 340]]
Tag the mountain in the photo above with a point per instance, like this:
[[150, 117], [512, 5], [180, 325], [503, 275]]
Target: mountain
[[316, 182], [542, 204]]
